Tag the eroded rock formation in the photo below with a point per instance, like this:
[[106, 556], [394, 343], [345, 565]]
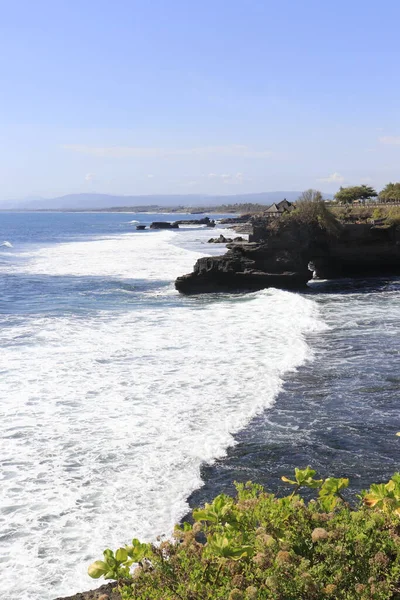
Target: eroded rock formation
[[279, 255]]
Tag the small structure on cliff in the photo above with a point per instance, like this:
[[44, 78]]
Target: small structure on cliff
[[277, 210]]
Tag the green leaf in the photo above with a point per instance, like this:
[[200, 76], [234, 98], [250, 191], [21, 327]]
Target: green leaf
[[329, 494], [97, 569], [377, 494], [304, 477], [121, 555], [137, 551], [333, 485], [205, 514], [286, 480]]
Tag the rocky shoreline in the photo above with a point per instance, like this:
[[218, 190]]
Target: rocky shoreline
[[286, 254]]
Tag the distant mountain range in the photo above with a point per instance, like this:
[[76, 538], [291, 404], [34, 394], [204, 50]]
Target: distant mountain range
[[104, 201]]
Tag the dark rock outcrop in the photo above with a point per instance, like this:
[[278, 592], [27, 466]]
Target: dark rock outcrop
[[361, 251], [223, 240], [220, 240], [164, 225], [238, 281], [243, 267], [283, 252]]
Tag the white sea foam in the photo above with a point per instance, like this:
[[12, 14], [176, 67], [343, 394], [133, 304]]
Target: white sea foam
[[107, 419], [6, 244]]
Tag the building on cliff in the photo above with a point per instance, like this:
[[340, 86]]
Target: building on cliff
[[261, 221], [277, 210]]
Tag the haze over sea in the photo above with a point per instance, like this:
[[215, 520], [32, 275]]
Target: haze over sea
[[119, 398]]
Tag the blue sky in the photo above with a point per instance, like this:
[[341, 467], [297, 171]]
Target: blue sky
[[219, 97]]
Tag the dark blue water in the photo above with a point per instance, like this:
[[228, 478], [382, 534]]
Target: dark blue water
[[58, 227]]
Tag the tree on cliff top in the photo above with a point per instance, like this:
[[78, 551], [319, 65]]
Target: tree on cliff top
[[390, 193], [348, 195], [311, 210]]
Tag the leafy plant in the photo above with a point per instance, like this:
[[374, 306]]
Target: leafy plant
[[260, 547], [386, 497], [304, 478]]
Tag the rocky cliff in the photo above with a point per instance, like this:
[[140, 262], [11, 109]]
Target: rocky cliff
[[285, 254]]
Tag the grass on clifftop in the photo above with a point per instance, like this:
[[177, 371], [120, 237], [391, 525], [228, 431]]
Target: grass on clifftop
[[257, 546]]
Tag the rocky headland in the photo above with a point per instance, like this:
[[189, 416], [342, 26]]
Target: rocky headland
[[287, 252]]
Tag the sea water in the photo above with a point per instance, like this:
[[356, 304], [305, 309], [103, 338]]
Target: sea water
[[119, 397]]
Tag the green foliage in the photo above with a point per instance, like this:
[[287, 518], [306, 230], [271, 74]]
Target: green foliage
[[347, 213], [393, 215], [348, 195], [330, 492], [219, 512], [260, 547], [304, 478], [386, 497], [312, 211], [390, 193], [365, 214]]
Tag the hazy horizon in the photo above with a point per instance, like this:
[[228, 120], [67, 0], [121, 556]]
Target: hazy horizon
[[104, 201]]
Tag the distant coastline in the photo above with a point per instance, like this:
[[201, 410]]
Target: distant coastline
[[153, 209], [191, 202]]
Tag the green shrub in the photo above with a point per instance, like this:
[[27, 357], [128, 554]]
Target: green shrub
[[312, 210], [393, 215], [258, 546]]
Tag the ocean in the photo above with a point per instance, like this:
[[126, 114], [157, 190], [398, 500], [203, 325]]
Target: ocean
[[123, 403]]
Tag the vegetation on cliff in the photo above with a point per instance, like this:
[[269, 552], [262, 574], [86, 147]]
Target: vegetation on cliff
[[388, 215], [361, 193], [258, 546], [390, 193], [311, 210]]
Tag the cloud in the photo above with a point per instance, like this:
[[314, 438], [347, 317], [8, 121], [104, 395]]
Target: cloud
[[334, 178], [391, 140], [89, 177], [234, 150]]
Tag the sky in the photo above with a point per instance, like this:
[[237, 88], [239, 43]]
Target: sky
[[211, 97]]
